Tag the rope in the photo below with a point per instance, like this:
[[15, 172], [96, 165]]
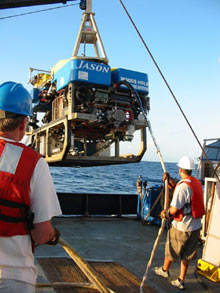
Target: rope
[[159, 153], [166, 203], [85, 268], [169, 88], [156, 243], [67, 285]]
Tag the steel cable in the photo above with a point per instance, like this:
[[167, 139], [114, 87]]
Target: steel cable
[[158, 151], [169, 88]]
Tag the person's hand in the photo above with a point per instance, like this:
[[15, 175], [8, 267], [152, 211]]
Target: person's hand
[[163, 214], [166, 176], [55, 238], [172, 182]]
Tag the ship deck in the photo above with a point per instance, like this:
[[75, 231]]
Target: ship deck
[[118, 249]]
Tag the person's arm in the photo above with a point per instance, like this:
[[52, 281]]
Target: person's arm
[[42, 232], [169, 213], [177, 203], [173, 210], [44, 205]]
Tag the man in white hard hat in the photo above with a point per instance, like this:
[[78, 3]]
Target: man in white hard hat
[[28, 199], [186, 210]]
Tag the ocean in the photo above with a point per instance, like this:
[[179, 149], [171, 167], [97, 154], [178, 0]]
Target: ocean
[[119, 179]]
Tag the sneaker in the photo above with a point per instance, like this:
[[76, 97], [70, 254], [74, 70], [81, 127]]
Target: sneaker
[[178, 283], [161, 272]]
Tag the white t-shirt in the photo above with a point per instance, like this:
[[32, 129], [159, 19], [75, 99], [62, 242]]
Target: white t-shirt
[[181, 197], [16, 257]]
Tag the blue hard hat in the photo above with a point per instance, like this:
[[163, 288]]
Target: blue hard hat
[[15, 98]]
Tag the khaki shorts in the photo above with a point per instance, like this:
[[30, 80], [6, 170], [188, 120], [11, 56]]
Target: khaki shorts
[[181, 245]]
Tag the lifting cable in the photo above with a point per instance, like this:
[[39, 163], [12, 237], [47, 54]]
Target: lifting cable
[[158, 150], [169, 88], [166, 200]]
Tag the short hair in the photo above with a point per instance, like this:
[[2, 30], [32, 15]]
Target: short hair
[[187, 172], [11, 123]]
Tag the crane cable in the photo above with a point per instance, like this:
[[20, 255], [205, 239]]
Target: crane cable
[[166, 201], [156, 243], [169, 88]]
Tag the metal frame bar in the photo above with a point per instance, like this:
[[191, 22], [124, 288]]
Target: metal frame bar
[[4, 4], [88, 16]]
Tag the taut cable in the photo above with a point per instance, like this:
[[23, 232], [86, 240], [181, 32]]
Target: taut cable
[[169, 88]]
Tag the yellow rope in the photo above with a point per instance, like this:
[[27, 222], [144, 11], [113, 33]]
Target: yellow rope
[[85, 267]]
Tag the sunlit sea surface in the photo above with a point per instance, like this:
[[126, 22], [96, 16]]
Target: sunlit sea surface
[[109, 179]]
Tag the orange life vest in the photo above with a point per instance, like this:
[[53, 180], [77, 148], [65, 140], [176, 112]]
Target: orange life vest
[[197, 203], [15, 188]]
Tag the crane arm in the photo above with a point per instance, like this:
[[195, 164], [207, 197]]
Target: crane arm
[[21, 3]]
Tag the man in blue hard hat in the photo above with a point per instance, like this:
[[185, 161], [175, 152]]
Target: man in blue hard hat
[[185, 211], [28, 200]]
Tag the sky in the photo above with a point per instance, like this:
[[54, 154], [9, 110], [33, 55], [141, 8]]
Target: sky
[[182, 35]]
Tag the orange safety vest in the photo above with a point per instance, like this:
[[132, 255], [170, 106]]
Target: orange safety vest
[[15, 187], [197, 203]]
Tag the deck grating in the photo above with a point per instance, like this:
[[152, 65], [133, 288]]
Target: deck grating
[[112, 274]]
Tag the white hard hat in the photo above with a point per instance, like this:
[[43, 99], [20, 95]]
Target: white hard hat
[[186, 163]]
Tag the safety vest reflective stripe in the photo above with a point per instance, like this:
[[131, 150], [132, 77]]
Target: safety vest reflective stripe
[[10, 158]]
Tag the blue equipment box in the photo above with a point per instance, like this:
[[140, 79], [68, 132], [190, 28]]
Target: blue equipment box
[[80, 70], [138, 80], [145, 205]]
